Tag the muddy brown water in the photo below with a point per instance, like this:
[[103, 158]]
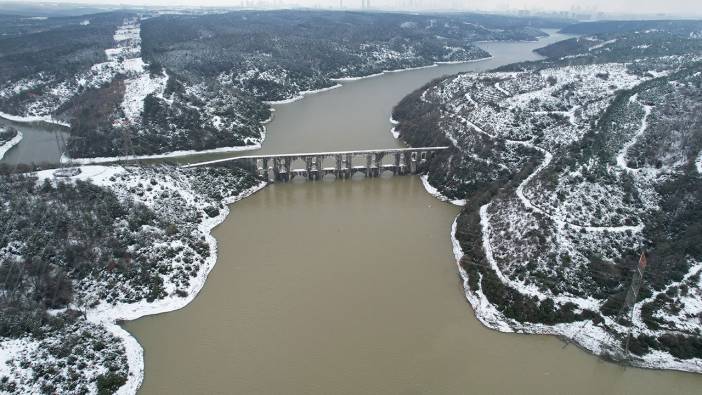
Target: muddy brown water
[[350, 287]]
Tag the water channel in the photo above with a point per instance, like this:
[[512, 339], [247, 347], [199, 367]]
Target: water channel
[[349, 287], [38, 145]]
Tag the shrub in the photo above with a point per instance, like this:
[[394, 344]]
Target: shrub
[[110, 382]]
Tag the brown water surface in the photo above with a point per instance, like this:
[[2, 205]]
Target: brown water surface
[[350, 287]]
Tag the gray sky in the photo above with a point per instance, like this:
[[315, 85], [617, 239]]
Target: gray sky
[[679, 7]]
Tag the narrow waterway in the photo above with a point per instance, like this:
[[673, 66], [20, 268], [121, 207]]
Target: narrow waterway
[[356, 116], [348, 287], [38, 144]]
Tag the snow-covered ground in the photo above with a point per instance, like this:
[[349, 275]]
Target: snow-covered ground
[[586, 334], [174, 154], [622, 155], [57, 92], [123, 181], [538, 240], [302, 95], [34, 118], [435, 192], [139, 83], [4, 147]]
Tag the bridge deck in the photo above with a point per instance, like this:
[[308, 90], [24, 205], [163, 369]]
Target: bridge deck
[[312, 154]]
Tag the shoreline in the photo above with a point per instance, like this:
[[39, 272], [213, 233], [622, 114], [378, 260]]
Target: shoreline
[[301, 95], [185, 153], [435, 64], [173, 154], [588, 341], [435, 192], [109, 316], [35, 119], [10, 144]]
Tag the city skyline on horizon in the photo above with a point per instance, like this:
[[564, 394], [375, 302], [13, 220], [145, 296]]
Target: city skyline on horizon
[[690, 8]]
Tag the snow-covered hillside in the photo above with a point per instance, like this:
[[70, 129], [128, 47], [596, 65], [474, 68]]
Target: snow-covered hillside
[[151, 252], [567, 172], [165, 84]]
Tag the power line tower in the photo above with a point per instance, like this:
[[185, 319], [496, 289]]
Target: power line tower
[[631, 297], [60, 147]]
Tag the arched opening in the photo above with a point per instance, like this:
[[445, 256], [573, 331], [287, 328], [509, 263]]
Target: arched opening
[[388, 164], [328, 167], [357, 165], [298, 170]]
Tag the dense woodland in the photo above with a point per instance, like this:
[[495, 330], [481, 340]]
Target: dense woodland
[[292, 51], [676, 27], [219, 68], [666, 156], [644, 51], [43, 53], [66, 247]]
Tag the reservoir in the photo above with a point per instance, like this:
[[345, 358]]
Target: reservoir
[[38, 145], [351, 287]]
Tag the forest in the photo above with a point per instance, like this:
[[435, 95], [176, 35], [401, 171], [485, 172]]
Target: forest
[[206, 78], [336, 44], [66, 247], [60, 47], [614, 159]]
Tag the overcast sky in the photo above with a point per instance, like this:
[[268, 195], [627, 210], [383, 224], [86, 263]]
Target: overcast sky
[[679, 7]]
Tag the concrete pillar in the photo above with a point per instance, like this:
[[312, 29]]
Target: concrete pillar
[[276, 169], [403, 168], [267, 166], [339, 162], [349, 166], [313, 170], [260, 167], [379, 164], [413, 162], [283, 169]]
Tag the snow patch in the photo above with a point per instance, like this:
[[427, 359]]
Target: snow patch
[[302, 95], [621, 156], [435, 192], [173, 154], [34, 118]]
